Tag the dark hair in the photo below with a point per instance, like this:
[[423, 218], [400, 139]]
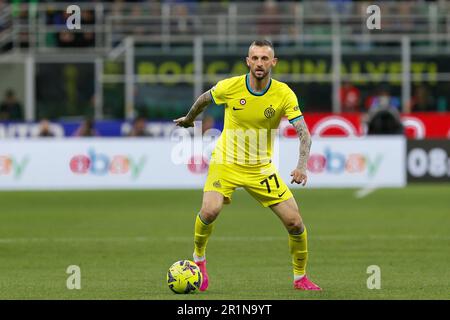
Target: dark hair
[[139, 118], [262, 43], [89, 122]]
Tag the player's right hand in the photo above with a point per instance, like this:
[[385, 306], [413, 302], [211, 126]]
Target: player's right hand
[[181, 122]]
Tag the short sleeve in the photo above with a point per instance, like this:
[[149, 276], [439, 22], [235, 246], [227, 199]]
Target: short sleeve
[[291, 106], [218, 93]]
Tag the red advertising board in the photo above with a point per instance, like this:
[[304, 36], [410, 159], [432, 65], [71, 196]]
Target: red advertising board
[[417, 125]]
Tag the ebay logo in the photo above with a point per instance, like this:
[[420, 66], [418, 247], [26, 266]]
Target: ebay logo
[[335, 162], [12, 166], [101, 164]]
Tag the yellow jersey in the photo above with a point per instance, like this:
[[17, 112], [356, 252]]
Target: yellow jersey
[[251, 119]]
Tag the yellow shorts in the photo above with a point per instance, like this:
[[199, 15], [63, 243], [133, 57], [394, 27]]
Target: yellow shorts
[[261, 181]]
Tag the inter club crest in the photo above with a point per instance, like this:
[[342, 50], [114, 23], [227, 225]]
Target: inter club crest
[[269, 112]]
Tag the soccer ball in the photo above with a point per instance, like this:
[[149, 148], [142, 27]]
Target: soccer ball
[[184, 276]]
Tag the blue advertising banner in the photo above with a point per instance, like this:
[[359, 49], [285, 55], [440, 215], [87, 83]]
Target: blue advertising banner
[[104, 128]]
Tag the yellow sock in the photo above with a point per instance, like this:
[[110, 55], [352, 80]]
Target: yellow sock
[[298, 246], [202, 233]]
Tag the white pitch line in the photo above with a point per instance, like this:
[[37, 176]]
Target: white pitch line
[[223, 238], [364, 192]]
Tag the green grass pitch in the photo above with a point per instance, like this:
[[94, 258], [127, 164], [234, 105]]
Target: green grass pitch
[[124, 242]]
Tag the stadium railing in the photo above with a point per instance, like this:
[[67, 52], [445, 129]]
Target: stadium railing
[[32, 26]]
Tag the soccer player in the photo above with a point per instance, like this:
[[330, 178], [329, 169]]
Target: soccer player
[[254, 105]]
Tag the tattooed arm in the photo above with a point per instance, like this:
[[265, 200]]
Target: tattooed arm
[[299, 174], [202, 102]]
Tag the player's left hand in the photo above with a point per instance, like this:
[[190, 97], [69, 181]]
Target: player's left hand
[[183, 122], [299, 177]]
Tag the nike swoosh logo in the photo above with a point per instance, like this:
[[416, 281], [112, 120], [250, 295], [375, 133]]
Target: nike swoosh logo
[[234, 108], [280, 195]]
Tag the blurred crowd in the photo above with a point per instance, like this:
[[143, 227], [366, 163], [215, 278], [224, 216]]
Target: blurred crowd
[[422, 100], [10, 108], [139, 128], [87, 128], [352, 99], [270, 19], [381, 110]]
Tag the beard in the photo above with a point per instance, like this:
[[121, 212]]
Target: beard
[[263, 76]]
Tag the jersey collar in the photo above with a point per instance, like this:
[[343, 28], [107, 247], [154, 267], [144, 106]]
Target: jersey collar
[[249, 88]]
